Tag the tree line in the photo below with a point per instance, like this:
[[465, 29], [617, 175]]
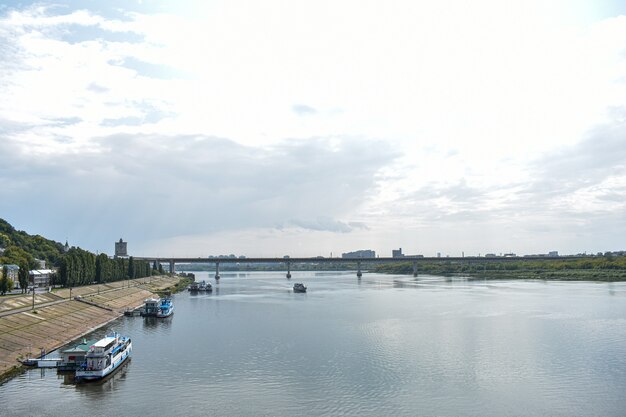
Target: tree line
[[81, 267], [443, 267]]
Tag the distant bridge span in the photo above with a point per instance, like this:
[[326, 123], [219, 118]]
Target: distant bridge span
[[316, 260]]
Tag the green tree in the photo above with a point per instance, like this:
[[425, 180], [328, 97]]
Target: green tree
[[4, 280], [131, 268], [4, 240], [33, 246], [23, 276]]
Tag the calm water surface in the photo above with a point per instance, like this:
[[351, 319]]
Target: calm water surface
[[382, 345]]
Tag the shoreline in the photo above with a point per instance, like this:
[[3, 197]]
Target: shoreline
[[53, 325]]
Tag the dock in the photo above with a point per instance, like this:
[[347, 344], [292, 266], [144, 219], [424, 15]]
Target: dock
[[43, 362], [133, 312]]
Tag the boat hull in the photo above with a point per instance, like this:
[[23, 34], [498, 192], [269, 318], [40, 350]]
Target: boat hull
[[162, 314]]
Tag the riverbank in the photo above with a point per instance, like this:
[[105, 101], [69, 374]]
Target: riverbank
[[60, 317], [599, 268], [568, 275]]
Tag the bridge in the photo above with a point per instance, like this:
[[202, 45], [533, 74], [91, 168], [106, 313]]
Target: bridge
[[288, 261]]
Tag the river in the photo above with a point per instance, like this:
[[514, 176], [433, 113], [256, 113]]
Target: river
[[381, 345]]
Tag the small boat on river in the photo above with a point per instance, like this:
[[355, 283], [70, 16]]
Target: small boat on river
[[299, 287], [166, 308], [205, 286], [104, 357], [194, 286]]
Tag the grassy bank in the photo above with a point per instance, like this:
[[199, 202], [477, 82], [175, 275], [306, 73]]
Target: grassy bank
[[181, 285], [600, 268], [569, 275]]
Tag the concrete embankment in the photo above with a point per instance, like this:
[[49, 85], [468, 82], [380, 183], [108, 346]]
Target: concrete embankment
[[57, 318]]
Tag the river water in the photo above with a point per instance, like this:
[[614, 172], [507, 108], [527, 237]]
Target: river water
[[381, 345]]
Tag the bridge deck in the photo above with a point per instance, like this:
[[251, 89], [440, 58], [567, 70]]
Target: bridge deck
[[343, 260]]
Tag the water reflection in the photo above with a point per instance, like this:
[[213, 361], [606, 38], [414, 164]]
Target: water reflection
[[151, 322], [110, 383]]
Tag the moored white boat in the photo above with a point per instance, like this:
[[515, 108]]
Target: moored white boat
[[104, 357]]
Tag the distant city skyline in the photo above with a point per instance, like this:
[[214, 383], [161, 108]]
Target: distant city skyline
[[304, 128]]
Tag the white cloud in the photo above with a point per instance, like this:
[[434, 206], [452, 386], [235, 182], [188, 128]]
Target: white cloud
[[442, 115], [150, 186]]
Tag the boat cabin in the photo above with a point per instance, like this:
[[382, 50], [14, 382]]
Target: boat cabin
[[151, 306], [102, 346]]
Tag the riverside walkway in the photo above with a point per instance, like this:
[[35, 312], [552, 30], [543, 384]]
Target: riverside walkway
[[59, 318]]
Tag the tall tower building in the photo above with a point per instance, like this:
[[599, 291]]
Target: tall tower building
[[120, 248]]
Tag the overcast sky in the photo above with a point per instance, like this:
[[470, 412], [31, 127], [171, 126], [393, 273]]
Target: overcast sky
[[267, 128]]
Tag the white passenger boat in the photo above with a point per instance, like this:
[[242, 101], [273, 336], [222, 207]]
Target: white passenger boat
[[104, 357]]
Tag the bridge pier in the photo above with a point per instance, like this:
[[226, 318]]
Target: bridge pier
[[414, 269], [288, 270], [217, 271], [358, 269], [172, 267]]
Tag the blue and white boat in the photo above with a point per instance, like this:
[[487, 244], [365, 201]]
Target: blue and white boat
[[166, 308], [104, 357]]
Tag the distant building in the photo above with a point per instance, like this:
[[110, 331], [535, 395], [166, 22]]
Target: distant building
[[490, 255], [366, 253], [41, 263], [397, 253], [66, 247], [13, 271], [40, 277], [120, 248], [553, 253]]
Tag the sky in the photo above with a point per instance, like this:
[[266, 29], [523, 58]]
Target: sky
[[313, 128]]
